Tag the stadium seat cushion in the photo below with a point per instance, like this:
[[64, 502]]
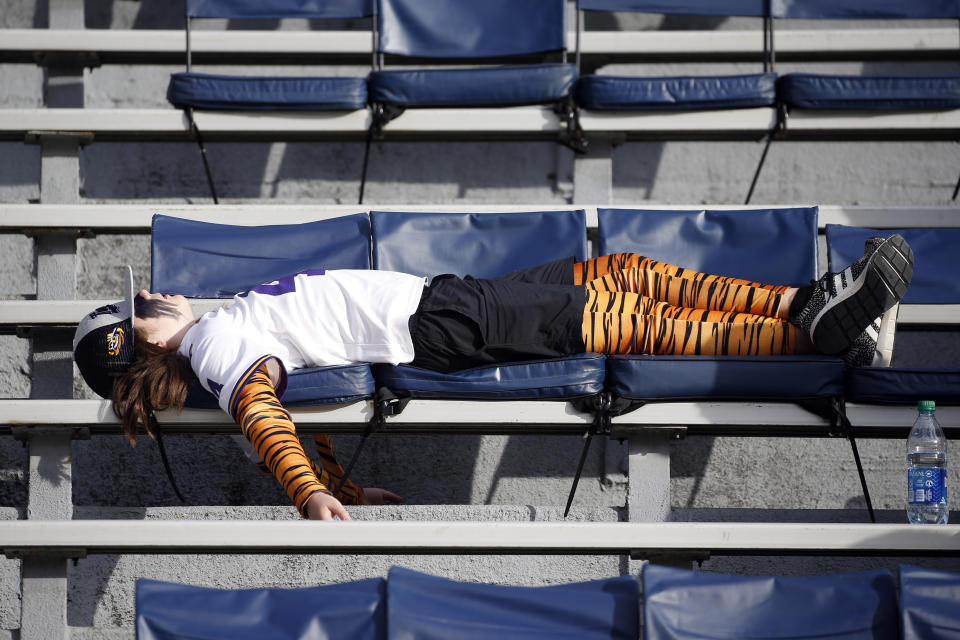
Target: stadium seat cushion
[[815, 91], [665, 377], [223, 92], [474, 87], [902, 385], [551, 379], [688, 92]]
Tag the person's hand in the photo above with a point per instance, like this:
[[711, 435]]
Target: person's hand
[[373, 495], [323, 506]]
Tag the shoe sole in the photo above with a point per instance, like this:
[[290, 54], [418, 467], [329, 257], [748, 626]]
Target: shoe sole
[[883, 356], [882, 284]]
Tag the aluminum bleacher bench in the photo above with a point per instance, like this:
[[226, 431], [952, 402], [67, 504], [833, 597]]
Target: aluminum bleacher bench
[[155, 46], [433, 404], [77, 538]]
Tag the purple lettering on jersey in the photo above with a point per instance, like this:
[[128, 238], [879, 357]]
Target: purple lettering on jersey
[[286, 284], [215, 388]]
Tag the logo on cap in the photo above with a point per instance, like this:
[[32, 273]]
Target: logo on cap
[[108, 308], [114, 341]]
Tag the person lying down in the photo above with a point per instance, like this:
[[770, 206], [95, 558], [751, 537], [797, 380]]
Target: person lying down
[[143, 352]]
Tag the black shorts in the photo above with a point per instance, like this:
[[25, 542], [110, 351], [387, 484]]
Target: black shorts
[[469, 322]]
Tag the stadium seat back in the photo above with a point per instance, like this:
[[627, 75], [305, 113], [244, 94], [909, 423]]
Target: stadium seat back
[[689, 605], [347, 611], [865, 9], [756, 8], [773, 246], [469, 29], [929, 603], [277, 9], [207, 260], [483, 245], [425, 606]]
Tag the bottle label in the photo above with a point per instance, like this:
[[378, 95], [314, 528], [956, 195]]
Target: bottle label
[[926, 486]]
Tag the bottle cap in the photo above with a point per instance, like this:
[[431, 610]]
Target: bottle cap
[[926, 405]]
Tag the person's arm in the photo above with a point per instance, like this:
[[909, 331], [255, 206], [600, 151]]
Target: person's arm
[[270, 430]]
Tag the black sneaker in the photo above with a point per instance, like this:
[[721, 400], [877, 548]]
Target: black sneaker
[[874, 347], [842, 305]]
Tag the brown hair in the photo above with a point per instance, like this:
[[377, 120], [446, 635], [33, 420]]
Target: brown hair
[[157, 380]]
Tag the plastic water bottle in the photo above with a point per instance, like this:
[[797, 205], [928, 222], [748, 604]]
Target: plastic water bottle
[[927, 469]]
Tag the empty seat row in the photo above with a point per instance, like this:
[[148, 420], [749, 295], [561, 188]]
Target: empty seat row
[[468, 31], [677, 605], [777, 246]]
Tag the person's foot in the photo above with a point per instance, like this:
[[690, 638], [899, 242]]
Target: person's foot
[[842, 305]]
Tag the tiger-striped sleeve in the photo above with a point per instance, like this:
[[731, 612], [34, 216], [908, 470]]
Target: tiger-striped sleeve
[[331, 473], [269, 428]]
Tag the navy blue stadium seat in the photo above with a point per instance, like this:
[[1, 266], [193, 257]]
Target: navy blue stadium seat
[[562, 378], [424, 606], [485, 245], [347, 611], [274, 93], [929, 603], [602, 92], [936, 269], [819, 91], [866, 9], [827, 91], [206, 260], [191, 90], [691, 605], [936, 280], [774, 246], [470, 31], [652, 378], [606, 92]]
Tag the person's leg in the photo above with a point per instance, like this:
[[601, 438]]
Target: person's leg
[[699, 291], [625, 302], [584, 272], [626, 333]]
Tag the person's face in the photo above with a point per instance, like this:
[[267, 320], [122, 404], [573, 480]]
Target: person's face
[[164, 318]]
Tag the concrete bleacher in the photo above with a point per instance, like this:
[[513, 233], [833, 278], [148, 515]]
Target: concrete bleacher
[[107, 481]]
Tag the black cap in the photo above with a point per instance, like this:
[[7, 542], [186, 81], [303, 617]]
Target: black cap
[[103, 343]]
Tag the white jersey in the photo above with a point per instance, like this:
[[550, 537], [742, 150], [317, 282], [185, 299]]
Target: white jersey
[[309, 319]]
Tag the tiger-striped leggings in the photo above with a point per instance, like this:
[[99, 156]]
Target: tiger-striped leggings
[[639, 305], [269, 428]]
